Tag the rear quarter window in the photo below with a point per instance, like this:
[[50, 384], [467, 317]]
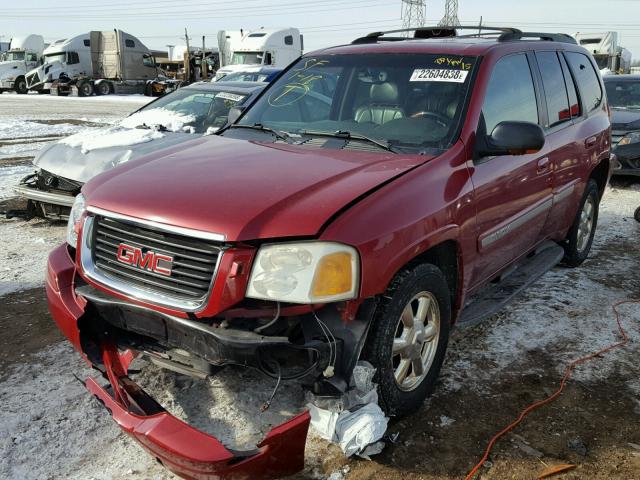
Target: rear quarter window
[[587, 80]]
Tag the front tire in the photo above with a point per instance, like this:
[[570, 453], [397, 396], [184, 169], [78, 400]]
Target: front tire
[[408, 338], [20, 86], [580, 238]]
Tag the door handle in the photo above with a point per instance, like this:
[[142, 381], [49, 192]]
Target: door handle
[[590, 142], [543, 165]]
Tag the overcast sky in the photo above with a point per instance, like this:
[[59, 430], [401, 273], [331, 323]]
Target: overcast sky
[[323, 22]]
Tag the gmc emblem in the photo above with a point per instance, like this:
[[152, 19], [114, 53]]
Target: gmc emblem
[[149, 260]]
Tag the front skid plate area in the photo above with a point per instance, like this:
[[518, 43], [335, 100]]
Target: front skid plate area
[[187, 451]]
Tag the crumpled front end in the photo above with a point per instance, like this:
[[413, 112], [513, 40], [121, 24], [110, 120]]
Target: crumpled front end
[[186, 451]]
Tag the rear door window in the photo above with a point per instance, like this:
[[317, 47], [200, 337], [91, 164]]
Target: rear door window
[[554, 88], [572, 92], [587, 79], [510, 95]]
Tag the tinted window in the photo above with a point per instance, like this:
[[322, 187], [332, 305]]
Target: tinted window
[[72, 58], [572, 93], [587, 79], [510, 94], [86, 42], [554, 87], [288, 40], [129, 43]]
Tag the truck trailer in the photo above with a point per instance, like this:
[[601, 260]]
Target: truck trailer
[[605, 48], [275, 48], [100, 62], [23, 54]]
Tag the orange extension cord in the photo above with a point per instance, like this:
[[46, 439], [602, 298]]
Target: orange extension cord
[[567, 375]]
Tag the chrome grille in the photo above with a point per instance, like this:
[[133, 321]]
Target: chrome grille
[[192, 270]]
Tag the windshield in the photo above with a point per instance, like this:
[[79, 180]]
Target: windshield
[[194, 111], [406, 101], [14, 56], [623, 94], [247, 58], [55, 57]]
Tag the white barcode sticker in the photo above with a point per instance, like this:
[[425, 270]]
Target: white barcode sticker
[[230, 96], [438, 75]]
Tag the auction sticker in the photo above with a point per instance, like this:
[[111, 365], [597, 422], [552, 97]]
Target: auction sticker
[[230, 96], [438, 75]]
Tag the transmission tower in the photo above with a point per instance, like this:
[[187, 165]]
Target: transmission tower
[[413, 13], [450, 13]]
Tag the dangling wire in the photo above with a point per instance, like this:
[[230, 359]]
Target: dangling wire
[[333, 350], [265, 406]]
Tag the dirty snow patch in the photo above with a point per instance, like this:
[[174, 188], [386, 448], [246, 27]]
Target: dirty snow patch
[[172, 121]]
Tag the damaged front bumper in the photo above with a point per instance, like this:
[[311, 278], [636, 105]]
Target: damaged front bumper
[[186, 451], [80, 311]]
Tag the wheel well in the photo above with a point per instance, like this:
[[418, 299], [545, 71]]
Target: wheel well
[[600, 175], [445, 257]]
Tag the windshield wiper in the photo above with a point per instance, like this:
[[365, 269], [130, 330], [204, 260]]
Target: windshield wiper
[[260, 127], [156, 126], [351, 136]]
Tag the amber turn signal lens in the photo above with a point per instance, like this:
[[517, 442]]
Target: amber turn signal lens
[[333, 275]]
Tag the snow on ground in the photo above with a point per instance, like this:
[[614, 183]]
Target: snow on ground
[[23, 257]]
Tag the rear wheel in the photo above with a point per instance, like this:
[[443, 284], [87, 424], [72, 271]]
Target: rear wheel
[[20, 86], [85, 89], [580, 238], [103, 88], [636, 215], [408, 339]]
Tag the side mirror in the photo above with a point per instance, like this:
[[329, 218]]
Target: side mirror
[[513, 138], [234, 114]]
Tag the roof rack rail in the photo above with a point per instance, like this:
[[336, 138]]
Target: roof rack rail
[[438, 31], [549, 37], [504, 34]]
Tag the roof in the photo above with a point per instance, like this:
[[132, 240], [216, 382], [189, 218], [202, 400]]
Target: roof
[[233, 87], [447, 40]]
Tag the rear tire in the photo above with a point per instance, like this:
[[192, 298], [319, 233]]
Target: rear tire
[[85, 89], [636, 214], [408, 338], [103, 88], [580, 238], [20, 86]]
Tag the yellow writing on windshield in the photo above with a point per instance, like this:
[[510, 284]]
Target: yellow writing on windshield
[[452, 62]]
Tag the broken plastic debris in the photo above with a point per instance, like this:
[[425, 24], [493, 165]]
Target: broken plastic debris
[[373, 449], [355, 430], [555, 469], [354, 421]]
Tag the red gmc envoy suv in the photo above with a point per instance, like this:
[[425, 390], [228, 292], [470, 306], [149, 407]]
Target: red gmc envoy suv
[[373, 196]]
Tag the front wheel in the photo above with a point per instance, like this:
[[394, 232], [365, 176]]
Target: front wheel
[[577, 245], [408, 339], [20, 86]]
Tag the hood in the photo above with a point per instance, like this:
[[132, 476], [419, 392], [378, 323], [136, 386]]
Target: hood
[[74, 163], [244, 190], [625, 119], [12, 68]]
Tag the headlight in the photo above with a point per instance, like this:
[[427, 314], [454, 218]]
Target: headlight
[[75, 217], [305, 272], [629, 138]]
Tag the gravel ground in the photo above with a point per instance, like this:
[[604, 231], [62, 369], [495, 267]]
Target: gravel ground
[[50, 428]]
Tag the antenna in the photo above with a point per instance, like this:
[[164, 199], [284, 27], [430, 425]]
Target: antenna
[[413, 13], [450, 14]]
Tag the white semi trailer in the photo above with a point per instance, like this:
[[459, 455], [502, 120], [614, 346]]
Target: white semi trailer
[[275, 48], [610, 56], [95, 62], [23, 54]]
